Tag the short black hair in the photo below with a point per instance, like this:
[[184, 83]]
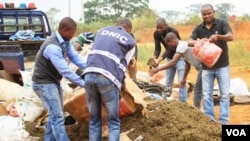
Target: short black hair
[[67, 22], [161, 21], [124, 22], [207, 5], [170, 36]]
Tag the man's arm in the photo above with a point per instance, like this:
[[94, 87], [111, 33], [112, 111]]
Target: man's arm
[[55, 55], [191, 42], [226, 34], [226, 37], [170, 64], [193, 37], [157, 43]]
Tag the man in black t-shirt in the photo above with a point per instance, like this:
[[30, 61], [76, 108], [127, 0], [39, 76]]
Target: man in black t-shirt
[[217, 31]]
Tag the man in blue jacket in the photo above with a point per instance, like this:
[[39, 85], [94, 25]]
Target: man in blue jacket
[[104, 76]]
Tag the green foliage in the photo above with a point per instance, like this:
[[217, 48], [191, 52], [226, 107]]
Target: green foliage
[[147, 19], [194, 8], [171, 15], [239, 55], [112, 10], [223, 10], [193, 20], [93, 27], [145, 51], [51, 14]]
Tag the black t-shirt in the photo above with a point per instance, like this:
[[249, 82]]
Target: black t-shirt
[[160, 39], [221, 27]]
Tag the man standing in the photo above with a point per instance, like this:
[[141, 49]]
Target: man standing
[[159, 38], [219, 32], [104, 76], [185, 52], [51, 64]]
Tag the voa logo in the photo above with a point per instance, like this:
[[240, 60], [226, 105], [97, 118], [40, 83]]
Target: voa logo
[[236, 132], [123, 39]]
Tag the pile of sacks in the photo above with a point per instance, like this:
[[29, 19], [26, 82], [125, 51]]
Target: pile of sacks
[[20, 104]]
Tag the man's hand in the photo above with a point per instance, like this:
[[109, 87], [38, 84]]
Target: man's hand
[[157, 62], [132, 62], [213, 38], [153, 63], [153, 71]]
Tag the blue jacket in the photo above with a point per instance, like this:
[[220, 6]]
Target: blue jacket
[[111, 52]]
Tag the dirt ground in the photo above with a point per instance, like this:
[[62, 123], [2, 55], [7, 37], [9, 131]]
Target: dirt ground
[[172, 121], [167, 120]]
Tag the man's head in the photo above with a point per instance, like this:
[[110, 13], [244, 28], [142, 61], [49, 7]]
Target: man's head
[[161, 25], [207, 13], [171, 40], [67, 28], [125, 23]]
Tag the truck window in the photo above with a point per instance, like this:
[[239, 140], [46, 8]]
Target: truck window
[[9, 24], [22, 21], [37, 22]]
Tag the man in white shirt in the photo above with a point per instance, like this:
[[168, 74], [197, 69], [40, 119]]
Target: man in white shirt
[[182, 50]]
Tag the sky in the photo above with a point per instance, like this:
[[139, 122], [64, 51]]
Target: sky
[[73, 8]]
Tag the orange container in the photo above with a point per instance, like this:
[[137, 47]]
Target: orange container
[[127, 105], [76, 106]]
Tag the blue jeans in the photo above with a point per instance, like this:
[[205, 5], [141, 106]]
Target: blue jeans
[[170, 74], [52, 98], [100, 89], [223, 78], [198, 90]]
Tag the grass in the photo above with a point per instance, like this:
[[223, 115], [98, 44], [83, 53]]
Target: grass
[[239, 55], [145, 51]]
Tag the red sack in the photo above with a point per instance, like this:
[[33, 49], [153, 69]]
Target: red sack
[[208, 53]]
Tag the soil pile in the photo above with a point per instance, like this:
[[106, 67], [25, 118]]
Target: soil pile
[[172, 121], [167, 120]]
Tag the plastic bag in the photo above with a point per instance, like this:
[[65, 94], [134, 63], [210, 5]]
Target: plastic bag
[[208, 53], [28, 104]]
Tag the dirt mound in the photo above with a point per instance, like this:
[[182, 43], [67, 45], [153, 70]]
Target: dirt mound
[[172, 121]]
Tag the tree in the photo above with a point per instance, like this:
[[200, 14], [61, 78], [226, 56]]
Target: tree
[[193, 16], [171, 16], [194, 9], [223, 10], [51, 14], [112, 10]]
